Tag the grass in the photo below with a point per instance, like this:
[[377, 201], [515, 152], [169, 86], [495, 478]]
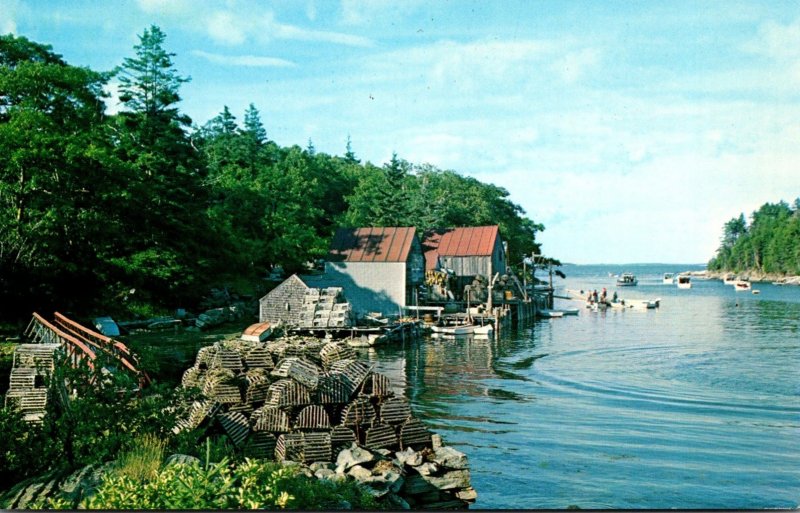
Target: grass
[[143, 461]]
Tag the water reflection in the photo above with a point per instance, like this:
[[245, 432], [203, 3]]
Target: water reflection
[[695, 405]]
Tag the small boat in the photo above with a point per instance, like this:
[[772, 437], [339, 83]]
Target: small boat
[[729, 279], [644, 303], [484, 331], [545, 312], [684, 282], [742, 285], [258, 332], [627, 280], [668, 279], [462, 329], [756, 291]]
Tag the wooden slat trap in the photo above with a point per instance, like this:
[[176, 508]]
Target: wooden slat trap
[[353, 369], [271, 419], [35, 355], [221, 387], [381, 436], [413, 433], [194, 377], [261, 444], [227, 359], [298, 369], [23, 377], [277, 349], [199, 411], [246, 408], [259, 358], [258, 383], [289, 447], [313, 417], [317, 447], [28, 400], [359, 412], [334, 352], [341, 438], [335, 388], [395, 411], [235, 425], [205, 355], [287, 392], [377, 385]]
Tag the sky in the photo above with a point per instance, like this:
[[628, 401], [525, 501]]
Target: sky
[[632, 130]]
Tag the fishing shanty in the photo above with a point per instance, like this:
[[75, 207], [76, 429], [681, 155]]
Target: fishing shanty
[[384, 283]]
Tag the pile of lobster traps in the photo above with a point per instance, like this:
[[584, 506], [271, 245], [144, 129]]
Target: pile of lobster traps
[[298, 399]]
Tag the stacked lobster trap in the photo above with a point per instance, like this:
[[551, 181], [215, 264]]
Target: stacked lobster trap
[[298, 399]]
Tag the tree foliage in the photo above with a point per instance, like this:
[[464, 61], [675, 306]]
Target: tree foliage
[[141, 206], [770, 243]]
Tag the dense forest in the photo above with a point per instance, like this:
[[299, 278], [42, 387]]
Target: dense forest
[[143, 209], [769, 244]]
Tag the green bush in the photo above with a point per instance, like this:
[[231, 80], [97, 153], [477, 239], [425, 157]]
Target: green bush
[[249, 485]]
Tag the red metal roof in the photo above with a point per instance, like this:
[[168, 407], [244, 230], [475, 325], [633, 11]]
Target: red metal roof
[[465, 241], [379, 244]]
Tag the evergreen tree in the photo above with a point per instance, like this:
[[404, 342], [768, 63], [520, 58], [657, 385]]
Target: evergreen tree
[[253, 125]]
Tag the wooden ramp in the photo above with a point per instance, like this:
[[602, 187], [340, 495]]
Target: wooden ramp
[[33, 362]]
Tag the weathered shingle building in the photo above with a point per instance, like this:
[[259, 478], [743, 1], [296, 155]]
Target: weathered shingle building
[[467, 251], [284, 303], [378, 268]]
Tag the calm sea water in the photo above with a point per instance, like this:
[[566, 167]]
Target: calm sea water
[[693, 405]]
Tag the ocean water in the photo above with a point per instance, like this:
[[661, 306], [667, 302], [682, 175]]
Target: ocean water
[[693, 405]]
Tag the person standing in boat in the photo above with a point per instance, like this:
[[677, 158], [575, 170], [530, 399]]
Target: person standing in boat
[[604, 295]]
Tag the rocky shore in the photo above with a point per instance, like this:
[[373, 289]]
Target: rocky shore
[[752, 275]]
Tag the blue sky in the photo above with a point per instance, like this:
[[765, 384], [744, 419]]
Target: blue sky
[[631, 130]]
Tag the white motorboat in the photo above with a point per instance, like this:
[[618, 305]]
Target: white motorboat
[[729, 279], [742, 285], [668, 279], [684, 282], [627, 280]]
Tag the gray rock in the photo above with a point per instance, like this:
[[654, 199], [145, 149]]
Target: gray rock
[[468, 494], [409, 457], [325, 474], [353, 456], [436, 441], [396, 502], [360, 473], [449, 480], [182, 459], [385, 453], [448, 457], [320, 465], [427, 468]]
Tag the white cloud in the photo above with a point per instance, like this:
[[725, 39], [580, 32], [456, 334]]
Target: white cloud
[[777, 41], [361, 12], [241, 22], [244, 60], [8, 14]]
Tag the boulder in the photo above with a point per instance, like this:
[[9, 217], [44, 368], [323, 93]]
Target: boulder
[[409, 457], [448, 457], [351, 457], [449, 480]]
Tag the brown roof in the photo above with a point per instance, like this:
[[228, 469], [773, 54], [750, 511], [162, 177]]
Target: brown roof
[[371, 244], [466, 241]]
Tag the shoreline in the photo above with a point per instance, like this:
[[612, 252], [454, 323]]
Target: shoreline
[[753, 276]]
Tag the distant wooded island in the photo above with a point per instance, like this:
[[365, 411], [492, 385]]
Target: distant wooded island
[[769, 244]]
